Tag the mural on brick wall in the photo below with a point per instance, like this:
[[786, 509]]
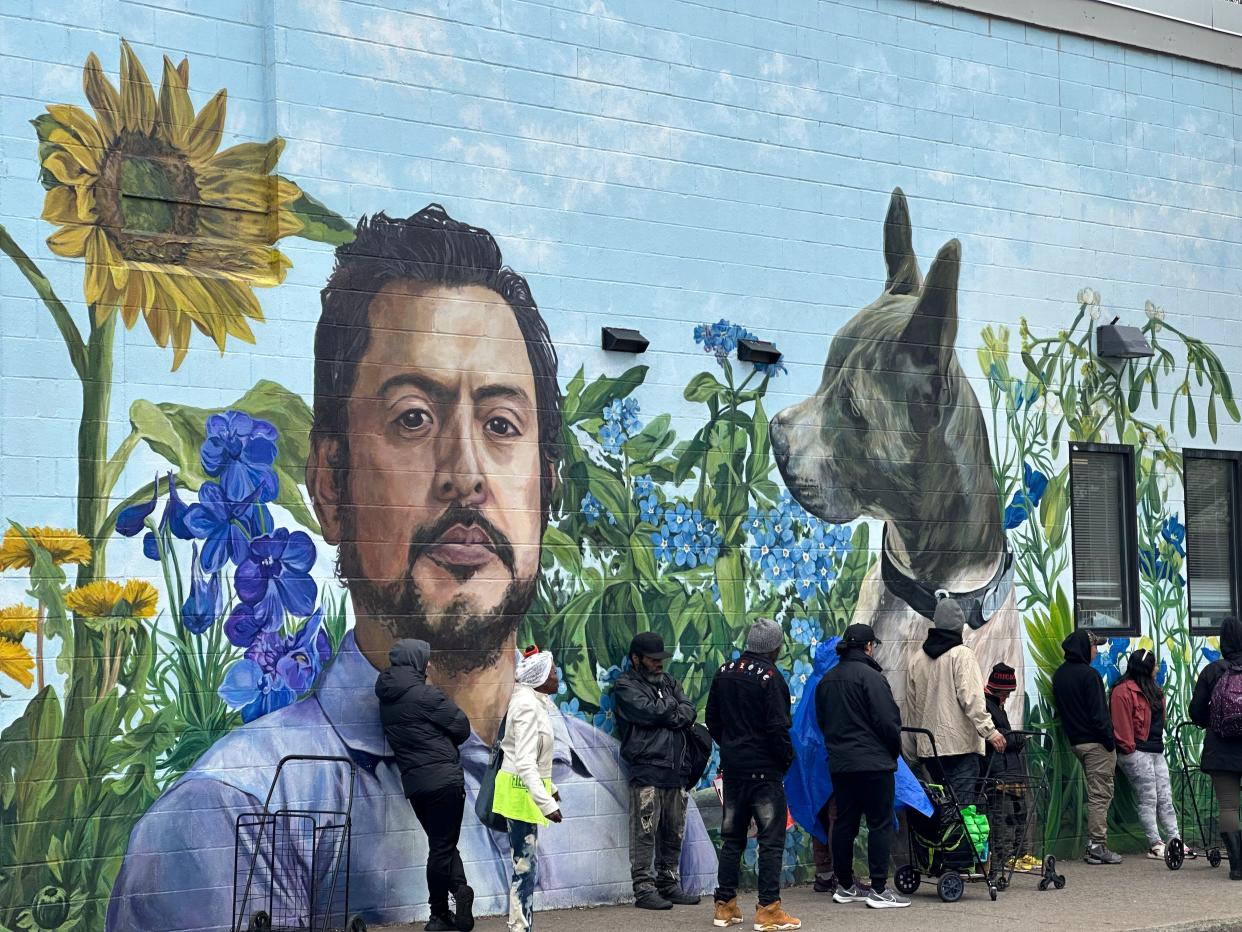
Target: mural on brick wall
[[481, 498]]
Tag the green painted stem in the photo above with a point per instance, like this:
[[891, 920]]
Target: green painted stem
[[60, 314]]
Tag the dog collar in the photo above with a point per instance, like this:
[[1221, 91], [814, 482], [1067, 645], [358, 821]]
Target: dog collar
[[978, 605]]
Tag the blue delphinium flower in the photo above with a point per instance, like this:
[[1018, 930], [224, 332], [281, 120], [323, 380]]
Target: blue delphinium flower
[[1107, 661], [1027, 498], [202, 607], [255, 692], [172, 520], [1162, 674], [133, 519], [275, 576], [240, 451], [1210, 654], [1174, 532], [224, 526], [276, 669]]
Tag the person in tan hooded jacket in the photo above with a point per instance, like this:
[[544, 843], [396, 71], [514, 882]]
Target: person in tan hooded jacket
[[944, 694]]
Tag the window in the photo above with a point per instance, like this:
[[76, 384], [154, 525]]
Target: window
[[1103, 524], [1211, 481]]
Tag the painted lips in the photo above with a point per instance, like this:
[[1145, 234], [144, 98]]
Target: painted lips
[[462, 546]]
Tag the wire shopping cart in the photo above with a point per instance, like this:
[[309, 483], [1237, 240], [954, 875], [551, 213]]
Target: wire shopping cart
[[1196, 804], [291, 865]]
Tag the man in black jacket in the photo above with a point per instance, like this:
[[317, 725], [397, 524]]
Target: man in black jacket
[[653, 715], [424, 728], [748, 716], [1007, 778], [1078, 692], [862, 732]]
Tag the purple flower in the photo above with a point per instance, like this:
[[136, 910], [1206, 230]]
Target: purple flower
[[274, 578], [305, 654], [202, 608], [247, 687], [243, 627], [240, 451], [277, 669], [1174, 532], [173, 519], [223, 525], [131, 520], [1027, 498]]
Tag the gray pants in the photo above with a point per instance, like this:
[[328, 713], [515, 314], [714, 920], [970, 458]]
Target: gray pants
[[1098, 765], [657, 824], [1148, 773]]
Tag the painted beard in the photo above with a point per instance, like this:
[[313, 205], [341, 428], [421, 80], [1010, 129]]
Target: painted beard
[[462, 640]]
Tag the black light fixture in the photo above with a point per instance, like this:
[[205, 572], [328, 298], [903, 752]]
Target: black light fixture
[[760, 351], [623, 340], [1117, 341]]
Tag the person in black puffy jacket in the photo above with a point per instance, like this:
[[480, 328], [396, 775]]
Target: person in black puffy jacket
[[424, 728], [861, 723], [1222, 757], [1082, 707]]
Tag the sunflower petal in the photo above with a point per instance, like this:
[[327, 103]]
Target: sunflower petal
[[257, 158], [16, 663], [70, 241], [78, 121], [208, 129], [176, 111], [64, 167], [60, 206], [102, 260], [180, 341], [83, 154], [137, 98], [103, 97]]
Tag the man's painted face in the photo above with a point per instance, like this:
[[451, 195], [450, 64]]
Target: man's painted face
[[441, 517]]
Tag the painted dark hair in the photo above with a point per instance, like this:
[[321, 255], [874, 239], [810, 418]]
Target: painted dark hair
[[428, 248]]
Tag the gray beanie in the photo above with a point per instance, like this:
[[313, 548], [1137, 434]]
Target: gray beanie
[[765, 636], [949, 615]]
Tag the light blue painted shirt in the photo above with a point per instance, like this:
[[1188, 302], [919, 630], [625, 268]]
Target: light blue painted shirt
[[178, 871]]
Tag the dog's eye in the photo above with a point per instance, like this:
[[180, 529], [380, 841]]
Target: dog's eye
[[851, 407]]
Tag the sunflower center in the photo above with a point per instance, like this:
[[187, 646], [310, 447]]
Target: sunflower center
[[148, 199]]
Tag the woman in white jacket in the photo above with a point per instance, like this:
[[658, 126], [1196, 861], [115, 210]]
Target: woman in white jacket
[[525, 794]]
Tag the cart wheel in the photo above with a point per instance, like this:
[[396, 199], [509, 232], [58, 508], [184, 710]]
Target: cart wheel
[[950, 887], [992, 893], [1050, 866], [907, 880], [1214, 857], [356, 924], [1002, 883], [1043, 885], [1059, 881], [1174, 854], [260, 922]]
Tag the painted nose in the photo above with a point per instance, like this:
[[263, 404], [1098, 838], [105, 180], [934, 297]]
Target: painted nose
[[780, 441]]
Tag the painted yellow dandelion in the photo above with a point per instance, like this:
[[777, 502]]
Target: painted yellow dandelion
[[16, 663], [105, 598], [17, 621], [170, 228], [63, 545]]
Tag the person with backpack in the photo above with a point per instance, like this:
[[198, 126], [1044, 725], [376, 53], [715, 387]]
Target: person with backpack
[[1217, 707], [1138, 725], [653, 722]]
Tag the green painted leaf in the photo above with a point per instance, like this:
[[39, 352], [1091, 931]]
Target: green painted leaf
[[732, 585], [650, 442], [690, 457], [702, 387], [596, 396], [1192, 422], [320, 223], [1053, 510], [642, 556], [176, 432], [1212, 415], [47, 586], [564, 548]]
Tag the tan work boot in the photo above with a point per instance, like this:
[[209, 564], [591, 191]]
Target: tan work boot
[[772, 918], [727, 913]]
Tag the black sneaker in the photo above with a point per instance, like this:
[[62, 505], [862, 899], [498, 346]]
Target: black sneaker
[[441, 923], [463, 900], [1099, 854], [679, 897], [652, 900], [826, 884]]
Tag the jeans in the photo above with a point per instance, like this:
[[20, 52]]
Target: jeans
[[959, 772], [1148, 773], [524, 839], [764, 801], [1228, 793], [822, 853], [1099, 766], [439, 812], [1007, 814], [657, 824], [869, 793]]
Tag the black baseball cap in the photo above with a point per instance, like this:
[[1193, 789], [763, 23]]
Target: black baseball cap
[[859, 635], [649, 644]]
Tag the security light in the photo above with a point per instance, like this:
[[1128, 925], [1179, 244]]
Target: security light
[[759, 351], [622, 340]]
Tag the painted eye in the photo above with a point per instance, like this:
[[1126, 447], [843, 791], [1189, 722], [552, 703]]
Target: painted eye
[[501, 427], [851, 408], [414, 419]]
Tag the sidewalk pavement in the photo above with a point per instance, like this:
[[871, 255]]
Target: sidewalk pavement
[[1139, 895]]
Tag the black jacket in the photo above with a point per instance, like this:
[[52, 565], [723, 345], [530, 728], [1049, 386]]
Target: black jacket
[[1222, 755], [1078, 692], [748, 716], [860, 720], [1006, 765], [423, 726], [652, 719]]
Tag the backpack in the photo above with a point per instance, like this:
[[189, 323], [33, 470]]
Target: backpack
[[1225, 709], [698, 754]]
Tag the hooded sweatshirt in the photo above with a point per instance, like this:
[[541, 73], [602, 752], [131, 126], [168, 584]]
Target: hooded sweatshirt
[[1220, 755], [424, 727], [1078, 692]]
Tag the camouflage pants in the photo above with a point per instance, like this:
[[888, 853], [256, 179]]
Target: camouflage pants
[[657, 824]]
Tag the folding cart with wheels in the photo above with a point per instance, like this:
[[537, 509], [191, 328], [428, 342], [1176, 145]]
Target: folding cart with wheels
[[1196, 804]]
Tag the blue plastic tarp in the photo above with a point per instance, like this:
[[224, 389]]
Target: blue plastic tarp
[[808, 785]]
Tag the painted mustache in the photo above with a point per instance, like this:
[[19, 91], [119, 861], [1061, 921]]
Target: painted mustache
[[460, 540]]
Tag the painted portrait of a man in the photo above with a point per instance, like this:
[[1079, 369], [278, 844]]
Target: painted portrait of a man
[[433, 462]]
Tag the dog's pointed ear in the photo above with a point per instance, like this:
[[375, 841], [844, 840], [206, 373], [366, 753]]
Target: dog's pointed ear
[[903, 266], [932, 330]]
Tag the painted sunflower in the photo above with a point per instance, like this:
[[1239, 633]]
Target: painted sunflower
[[16, 663], [17, 621], [170, 227], [107, 599], [63, 545]]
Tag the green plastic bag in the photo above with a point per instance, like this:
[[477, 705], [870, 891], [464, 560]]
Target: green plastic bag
[[978, 830]]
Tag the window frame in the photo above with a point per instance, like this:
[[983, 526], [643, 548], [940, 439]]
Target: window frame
[[1234, 457], [1131, 604]]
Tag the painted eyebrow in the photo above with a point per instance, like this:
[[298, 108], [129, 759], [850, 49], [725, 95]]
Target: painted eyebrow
[[492, 392], [438, 391]]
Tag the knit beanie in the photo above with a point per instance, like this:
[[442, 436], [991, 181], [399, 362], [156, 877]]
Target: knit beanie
[[765, 636], [949, 616], [1003, 679]]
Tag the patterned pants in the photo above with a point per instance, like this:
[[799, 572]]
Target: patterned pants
[[657, 825], [1148, 773], [524, 838]]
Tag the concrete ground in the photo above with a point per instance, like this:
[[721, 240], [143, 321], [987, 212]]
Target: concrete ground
[[1137, 895]]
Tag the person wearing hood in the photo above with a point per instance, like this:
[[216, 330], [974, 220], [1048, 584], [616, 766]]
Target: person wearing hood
[[1078, 694], [944, 695], [1138, 724], [1214, 707], [424, 728]]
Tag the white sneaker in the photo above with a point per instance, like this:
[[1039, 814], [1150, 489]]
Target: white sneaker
[[886, 900], [1156, 852]]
